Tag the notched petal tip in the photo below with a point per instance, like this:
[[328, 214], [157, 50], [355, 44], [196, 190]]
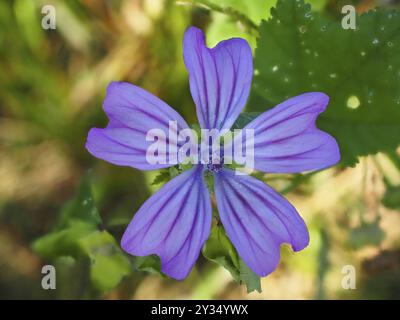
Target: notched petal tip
[[219, 77], [301, 243], [308, 99], [115, 86], [93, 140], [317, 96], [193, 31], [334, 151], [132, 113], [321, 98], [287, 139]]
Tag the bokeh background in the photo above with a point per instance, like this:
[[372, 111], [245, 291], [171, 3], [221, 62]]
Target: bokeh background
[[52, 83]]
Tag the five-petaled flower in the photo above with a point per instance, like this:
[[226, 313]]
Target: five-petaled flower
[[175, 222]]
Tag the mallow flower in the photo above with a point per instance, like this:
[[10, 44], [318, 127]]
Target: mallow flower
[[175, 222]]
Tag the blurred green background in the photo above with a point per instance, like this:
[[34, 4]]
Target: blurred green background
[[52, 83]]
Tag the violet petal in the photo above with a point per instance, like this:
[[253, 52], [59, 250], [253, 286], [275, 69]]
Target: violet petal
[[257, 220], [287, 139], [132, 112], [173, 224], [219, 77]]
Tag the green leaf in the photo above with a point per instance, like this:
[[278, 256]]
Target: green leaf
[[300, 51], [317, 5], [77, 235], [78, 218], [162, 177], [108, 264], [167, 174], [220, 250], [62, 242], [150, 264], [81, 207], [249, 278]]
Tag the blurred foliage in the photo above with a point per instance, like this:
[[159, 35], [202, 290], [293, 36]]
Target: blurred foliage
[[52, 83], [366, 234], [392, 198]]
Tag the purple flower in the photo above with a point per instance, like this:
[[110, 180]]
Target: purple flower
[[175, 222]]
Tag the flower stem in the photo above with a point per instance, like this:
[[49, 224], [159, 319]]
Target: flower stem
[[234, 14]]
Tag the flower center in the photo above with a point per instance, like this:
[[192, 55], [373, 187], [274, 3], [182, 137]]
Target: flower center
[[215, 167]]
